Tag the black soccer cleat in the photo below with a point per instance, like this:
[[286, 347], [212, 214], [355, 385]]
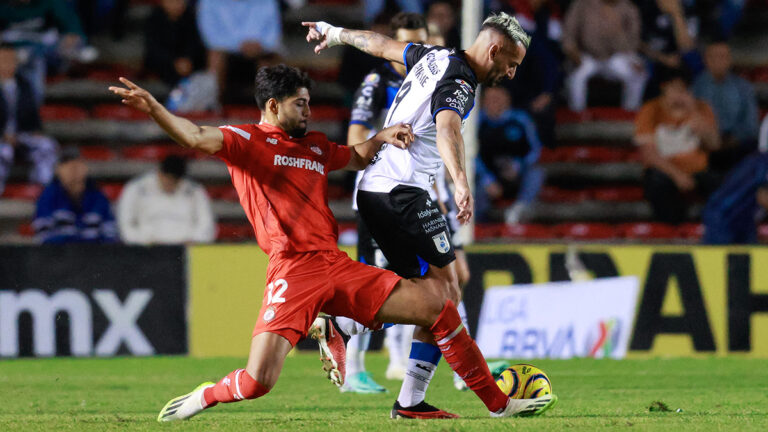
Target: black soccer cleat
[[422, 410]]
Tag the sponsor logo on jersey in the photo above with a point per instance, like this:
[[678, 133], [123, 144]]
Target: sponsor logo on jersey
[[302, 163], [427, 213], [464, 86], [316, 149], [269, 314], [372, 79], [272, 141], [441, 242]]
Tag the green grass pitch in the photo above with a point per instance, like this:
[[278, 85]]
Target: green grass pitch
[[127, 393]]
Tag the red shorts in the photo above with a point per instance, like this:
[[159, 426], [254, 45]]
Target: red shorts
[[302, 285]]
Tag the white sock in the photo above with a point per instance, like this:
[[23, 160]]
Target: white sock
[[463, 316], [353, 359], [422, 363], [351, 327]]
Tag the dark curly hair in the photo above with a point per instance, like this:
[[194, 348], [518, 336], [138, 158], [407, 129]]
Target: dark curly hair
[[279, 82], [407, 21]]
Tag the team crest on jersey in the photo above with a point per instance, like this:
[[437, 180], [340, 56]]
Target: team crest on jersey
[[316, 149], [372, 79], [269, 314], [441, 242], [464, 86]]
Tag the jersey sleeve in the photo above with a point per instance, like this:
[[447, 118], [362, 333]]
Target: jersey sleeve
[[235, 144], [453, 94], [413, 53], [338, 156], [369, 100]]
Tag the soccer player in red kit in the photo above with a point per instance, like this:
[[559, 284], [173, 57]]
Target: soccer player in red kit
[[280, 173]]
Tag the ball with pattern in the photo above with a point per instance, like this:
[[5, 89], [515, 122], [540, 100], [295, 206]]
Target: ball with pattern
[[524, 381]]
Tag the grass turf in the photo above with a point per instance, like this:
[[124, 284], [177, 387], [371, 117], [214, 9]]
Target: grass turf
[[127, 393]]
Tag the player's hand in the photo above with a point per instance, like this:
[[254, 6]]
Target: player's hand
[[399, 135], [315, 33], [464, 203], [134, 96]]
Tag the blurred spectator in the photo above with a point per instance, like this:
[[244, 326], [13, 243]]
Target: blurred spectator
[[20, 125], [240, 32], [172, 45], [374, 8], [509, 150], [71, 208], [355, 64], [670, 30], [50, 34], [164, 207], [732, 211], [734, 102], [602, 38], [537, 80], [444, 15], [762, 143], [676, 133]]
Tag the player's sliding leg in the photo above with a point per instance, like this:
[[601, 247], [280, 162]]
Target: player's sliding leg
[[420, 304], [424, 356], [265, 361]]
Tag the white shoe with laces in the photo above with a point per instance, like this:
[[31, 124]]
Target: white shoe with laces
[[184, 407], [527, 407]]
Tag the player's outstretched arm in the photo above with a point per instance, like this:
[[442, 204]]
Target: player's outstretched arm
[[450, 144], [187, 134], [399, 135], [369, 42]]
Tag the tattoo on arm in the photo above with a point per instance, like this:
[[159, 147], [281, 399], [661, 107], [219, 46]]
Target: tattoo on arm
[[366, 41]]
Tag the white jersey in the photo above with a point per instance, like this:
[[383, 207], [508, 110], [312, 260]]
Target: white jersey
[[438, 79]]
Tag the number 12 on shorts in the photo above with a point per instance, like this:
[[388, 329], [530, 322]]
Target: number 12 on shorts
[[276, 296]]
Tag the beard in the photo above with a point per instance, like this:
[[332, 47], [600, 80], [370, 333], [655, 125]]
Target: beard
[[298, 131]]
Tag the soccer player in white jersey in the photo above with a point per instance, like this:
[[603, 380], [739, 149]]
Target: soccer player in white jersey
[[435, 98]]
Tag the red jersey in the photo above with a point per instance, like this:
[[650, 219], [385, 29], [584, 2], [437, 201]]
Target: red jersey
[[282, 183]]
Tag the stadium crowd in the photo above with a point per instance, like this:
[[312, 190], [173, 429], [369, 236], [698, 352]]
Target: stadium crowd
[[664, 66]]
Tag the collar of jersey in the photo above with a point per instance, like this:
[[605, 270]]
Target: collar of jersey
[[272, 129]]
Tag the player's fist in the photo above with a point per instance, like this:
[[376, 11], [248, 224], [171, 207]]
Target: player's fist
[[134, 96], [399, 135], [323, 32]]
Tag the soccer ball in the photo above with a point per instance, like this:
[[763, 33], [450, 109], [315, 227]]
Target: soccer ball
[[523, 381]]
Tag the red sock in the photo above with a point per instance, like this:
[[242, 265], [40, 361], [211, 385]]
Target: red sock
[[465, 358], [238, 385]]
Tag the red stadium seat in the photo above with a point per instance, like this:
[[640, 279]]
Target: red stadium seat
[[327, 74], [529, 232], [235, 232], [329, 113], [62, 112], [586, 231], [117, 112], [594, 154], [690, 231], [156, 152], [549, 155], [112, 190], [242, 112], [22, 191], [617, 194], [488, 231], [99, 153], [555, 194], [649, 231], [26, 230], [611, 114]]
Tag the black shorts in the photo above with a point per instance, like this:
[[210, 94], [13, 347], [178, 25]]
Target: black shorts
[[407, 225], [368, 251]]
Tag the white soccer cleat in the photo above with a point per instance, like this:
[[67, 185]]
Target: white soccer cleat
[[333, 351], [527, 407], [184, 407]]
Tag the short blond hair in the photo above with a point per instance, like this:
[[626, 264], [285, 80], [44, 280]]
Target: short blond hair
[[508, 26]]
